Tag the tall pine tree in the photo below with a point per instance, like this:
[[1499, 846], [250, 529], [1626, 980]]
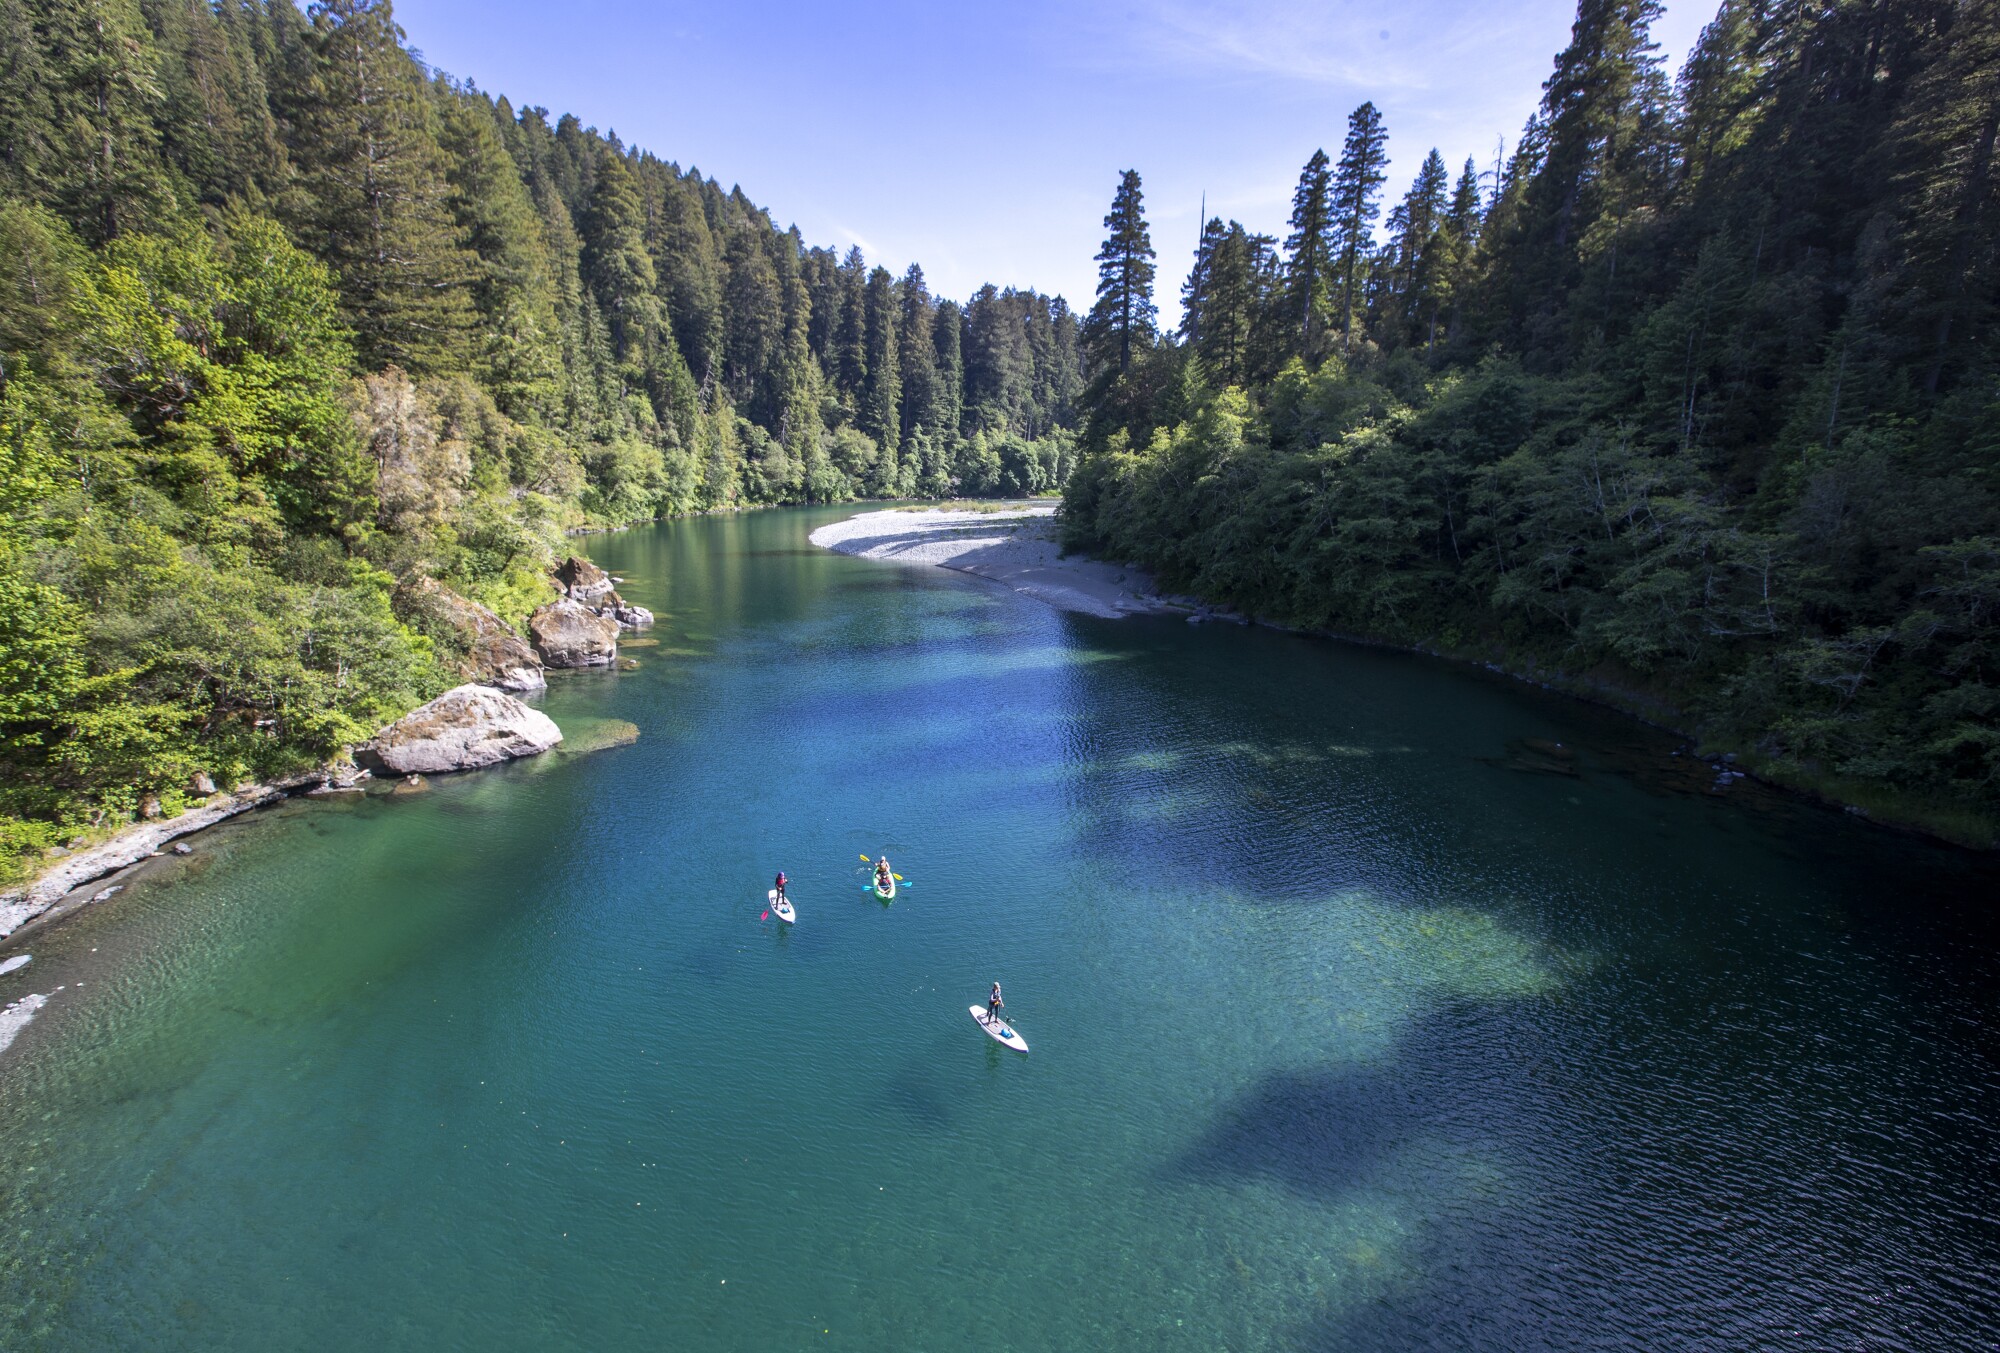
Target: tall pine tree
[[1310, 253], [1357, 183], [1123, 319], [377, 203]]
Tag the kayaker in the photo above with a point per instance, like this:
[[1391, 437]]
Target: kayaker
[[882, 872], [994, 1005], [781, 887]]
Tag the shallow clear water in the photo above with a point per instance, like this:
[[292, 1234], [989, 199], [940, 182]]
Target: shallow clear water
[[1351, 1027]]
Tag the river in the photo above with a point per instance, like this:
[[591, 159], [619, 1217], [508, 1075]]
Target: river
[[1357, 1020]]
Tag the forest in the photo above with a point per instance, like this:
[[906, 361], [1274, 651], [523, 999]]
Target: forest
[[289, 320], [1690, 401]]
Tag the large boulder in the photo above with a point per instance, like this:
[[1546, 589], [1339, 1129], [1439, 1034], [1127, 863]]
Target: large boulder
[[465, 728], [480, 645], [582, 580], [569, 634]]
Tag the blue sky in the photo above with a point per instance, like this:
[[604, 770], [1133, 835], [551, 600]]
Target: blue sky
[[984, 140]]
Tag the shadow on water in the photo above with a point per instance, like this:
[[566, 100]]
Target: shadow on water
[[1315, 1132], [916, 1095]]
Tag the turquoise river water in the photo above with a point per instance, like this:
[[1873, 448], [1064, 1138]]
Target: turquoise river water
[[1356, 1023]]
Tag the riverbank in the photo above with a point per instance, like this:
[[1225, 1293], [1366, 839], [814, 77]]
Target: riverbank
[[128, 845], [1018, 547], [1014, 547]]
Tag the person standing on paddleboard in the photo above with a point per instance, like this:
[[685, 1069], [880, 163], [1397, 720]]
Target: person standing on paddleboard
[[994, 1005], [781, 887]]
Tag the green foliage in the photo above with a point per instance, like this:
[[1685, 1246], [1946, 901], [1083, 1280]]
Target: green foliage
[[286, 321], [1699, 403]]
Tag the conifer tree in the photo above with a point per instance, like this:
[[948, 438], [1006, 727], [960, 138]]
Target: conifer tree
[[102, 163], [1362, 171], [850, 342], [947, 341], [214, 110], [1716, 89], [376, 201], [1948, 138], [27, 102], [1310, 249], [1062, 379], [618, 267], [800, 387], [690, 267], [916, 354], [1415, 275], [1463, 215], [1598, 108], [882, 393], [754, 313], [999, 369], [519, 355], [1123, 317], [1457, 244], [1194, 292], [1231, 312]]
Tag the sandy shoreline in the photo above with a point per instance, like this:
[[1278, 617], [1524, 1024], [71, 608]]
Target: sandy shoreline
[[1016, 547]]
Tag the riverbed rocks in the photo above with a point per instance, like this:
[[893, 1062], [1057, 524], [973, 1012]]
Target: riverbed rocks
[[568, 633], [466, 728], [485, 648]]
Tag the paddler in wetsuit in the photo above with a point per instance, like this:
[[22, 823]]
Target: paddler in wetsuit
[[781, 887], [994, 1005]]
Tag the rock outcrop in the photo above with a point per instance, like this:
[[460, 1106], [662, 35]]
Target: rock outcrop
[[625, 613], [482, 646], [582, 580], [568, 633], [465, 728]]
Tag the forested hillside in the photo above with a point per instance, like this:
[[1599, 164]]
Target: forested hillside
[[1694, 397], [288, 321]]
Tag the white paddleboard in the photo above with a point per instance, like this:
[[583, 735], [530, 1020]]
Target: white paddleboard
[[999, 1030], [783, 908]]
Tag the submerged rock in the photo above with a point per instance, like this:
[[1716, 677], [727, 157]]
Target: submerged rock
[[465, 728], [1542, 757], [627, 615], [599, 736], [488, 650], [411, 784], [569, 634]]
